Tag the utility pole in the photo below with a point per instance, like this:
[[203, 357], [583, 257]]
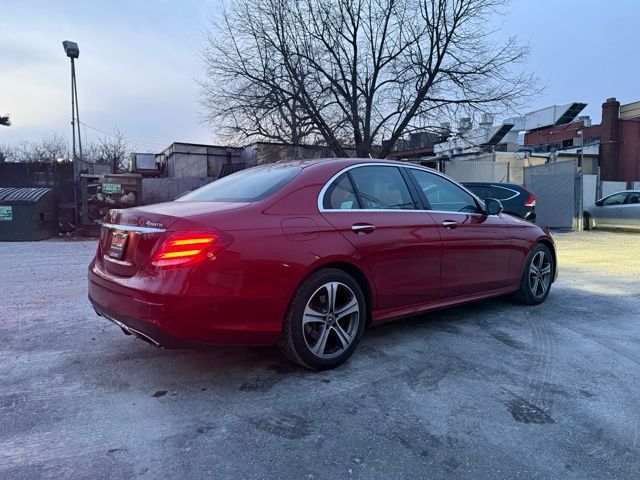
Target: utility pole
[[73, 52]]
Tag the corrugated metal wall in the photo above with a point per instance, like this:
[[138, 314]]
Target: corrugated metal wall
[[558, 190]]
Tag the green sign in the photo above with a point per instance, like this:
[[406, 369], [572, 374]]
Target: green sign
[[6, 214], [111, 188]]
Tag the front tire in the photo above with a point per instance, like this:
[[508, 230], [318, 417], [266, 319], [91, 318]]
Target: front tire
[[537, 277], [586, 222], [325, 320]]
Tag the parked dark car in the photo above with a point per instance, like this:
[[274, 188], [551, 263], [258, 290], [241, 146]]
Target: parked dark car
[[516, 200]]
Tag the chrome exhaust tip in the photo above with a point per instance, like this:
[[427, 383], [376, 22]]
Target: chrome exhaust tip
[[127, 330], [144, 337]]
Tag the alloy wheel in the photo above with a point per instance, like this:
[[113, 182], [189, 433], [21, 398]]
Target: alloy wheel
[[540, 274], [331, 319]]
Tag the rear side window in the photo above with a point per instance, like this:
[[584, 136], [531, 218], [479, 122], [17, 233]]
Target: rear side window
[[381, 188], [482, 191], [341, 195], [245, 186], [502, 193]]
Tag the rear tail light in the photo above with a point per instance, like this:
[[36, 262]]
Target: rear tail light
[[187, 248], [531, 202]]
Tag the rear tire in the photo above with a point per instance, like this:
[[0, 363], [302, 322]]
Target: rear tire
[[537, 276], [325, 320]]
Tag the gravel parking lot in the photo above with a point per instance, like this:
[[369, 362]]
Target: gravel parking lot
[[488, 390]]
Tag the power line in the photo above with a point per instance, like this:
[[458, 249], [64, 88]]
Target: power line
[[129, 139]]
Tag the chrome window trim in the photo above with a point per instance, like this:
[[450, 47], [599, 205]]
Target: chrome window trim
[[134, 228], [620, 191], [382, 164], [373, 210], [515, 192]]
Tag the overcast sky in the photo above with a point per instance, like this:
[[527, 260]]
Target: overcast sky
[[139, 61]]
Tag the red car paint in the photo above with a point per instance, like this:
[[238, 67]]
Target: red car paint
[[238, 289]]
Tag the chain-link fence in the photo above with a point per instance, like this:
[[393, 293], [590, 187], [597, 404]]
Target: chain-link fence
[[477, 171]]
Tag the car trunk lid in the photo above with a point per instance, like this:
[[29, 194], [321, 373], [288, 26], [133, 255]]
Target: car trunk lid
[[129, 237]]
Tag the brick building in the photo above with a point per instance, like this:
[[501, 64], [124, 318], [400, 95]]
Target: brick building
[[618, 137]]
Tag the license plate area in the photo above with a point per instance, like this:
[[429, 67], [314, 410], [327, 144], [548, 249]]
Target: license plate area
[[118, 244]]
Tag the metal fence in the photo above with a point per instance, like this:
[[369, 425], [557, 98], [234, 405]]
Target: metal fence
[[558, 190], [156, 190], [609, 187], [589, 190], [477, 171]]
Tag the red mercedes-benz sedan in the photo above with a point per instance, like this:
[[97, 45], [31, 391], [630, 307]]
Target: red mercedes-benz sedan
[[307, 254]]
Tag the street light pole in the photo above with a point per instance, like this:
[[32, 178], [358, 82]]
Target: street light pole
[[75, 95], [73, 52], [73, 116]]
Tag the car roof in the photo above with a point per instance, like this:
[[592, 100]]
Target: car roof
[[343, 162], [498, 184]]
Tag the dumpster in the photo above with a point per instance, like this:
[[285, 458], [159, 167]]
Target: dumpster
[[28, 214]]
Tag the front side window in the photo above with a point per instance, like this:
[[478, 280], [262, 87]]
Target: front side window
[[245, 186], [442, 194], [616, 199]]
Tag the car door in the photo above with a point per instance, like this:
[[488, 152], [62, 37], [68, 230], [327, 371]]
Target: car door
[[630, 211], [608, 210], [372, 207], [476, 248]]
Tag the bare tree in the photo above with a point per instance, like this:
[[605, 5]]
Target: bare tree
[[252, 108], [361, 73], [7, 153], [5, 120], [112, 151], [47, 150]]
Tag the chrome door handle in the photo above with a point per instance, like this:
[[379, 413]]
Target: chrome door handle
[[449, 224], [363, 229]]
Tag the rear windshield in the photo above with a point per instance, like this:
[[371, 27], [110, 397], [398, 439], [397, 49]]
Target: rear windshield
[[248, 185]]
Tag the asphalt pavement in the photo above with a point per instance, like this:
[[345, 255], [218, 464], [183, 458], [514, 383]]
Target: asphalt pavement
[[487, 390]]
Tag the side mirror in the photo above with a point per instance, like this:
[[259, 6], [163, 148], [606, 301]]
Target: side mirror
[[494, 207]]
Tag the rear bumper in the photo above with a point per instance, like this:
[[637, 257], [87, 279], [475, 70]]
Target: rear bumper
[[183, 321], [143, 330]]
